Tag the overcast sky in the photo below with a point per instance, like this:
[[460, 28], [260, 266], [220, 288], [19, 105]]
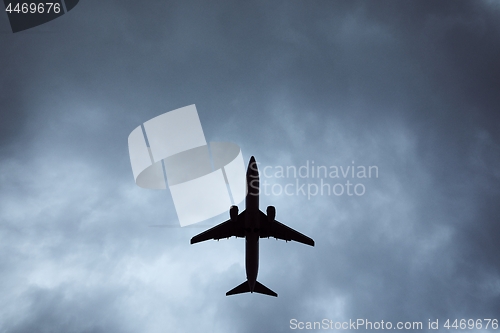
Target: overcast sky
[[411, 87]]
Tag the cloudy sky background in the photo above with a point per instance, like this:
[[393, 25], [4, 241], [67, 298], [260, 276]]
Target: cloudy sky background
[[411, 87]]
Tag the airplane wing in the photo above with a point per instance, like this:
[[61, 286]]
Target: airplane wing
[[223, 230], [280, 231]]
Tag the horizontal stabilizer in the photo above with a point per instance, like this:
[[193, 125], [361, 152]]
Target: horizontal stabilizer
[[262, 289], [242, 288], [245, 288]]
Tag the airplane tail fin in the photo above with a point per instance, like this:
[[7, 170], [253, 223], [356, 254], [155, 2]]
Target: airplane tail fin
[[245, 288]]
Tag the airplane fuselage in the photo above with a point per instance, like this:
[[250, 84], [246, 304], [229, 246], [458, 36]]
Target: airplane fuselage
[[252, 224]]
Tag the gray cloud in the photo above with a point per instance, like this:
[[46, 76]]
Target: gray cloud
[[408, 86]]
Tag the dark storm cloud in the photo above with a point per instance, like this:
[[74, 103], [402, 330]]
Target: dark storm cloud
[[408, 86], [67, 310]]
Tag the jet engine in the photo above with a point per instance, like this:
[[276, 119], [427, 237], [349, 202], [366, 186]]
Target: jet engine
[[271, 213], [233, 213]]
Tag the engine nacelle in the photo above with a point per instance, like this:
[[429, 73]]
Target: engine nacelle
[[233, 213], [271, 213]]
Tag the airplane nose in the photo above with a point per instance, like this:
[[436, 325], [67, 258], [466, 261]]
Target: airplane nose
[[252, 164], [252, 167]]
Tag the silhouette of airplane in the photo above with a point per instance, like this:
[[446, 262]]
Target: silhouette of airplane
[[252, 224]]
